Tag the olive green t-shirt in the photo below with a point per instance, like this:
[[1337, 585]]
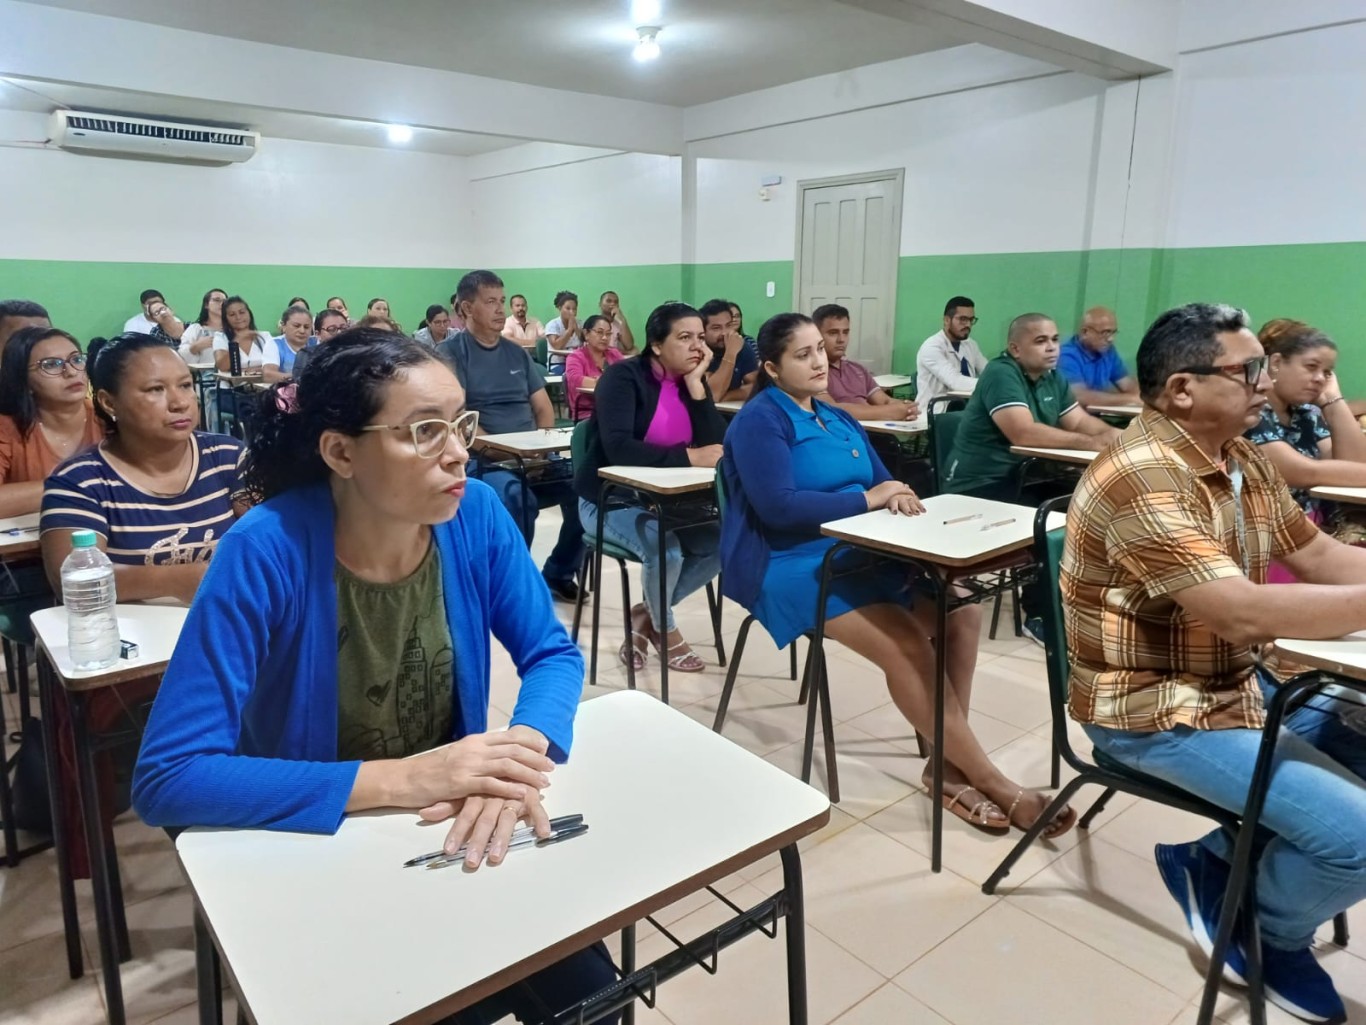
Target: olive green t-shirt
[[395, 664]]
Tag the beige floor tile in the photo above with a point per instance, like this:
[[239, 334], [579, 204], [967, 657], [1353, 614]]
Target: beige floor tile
[[888, 1005], [760, 718], [880, 901], [1007, 966], [1014, 690], [872, 773], [35, 988], [29, 905], [1142, 825], [189, 1014], [751, 983], [838, 823]]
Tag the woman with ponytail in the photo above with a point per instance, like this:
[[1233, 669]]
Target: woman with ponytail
[[345, 625]]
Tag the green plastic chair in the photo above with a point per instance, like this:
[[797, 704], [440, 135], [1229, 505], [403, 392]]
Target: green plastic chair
[[542, 352]]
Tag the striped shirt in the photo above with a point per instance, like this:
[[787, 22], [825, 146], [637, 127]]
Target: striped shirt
[[1152, 516], [141, 529]]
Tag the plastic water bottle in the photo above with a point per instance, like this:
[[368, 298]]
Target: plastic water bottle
[[92, 628]]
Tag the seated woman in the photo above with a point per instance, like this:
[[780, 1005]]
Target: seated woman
[[239, 328], [280, 353], [562, 333], [369, 532], [585, 365], [45, 413], [1306, 428], [436, 328], [197, 343], [379, 309], [656, 411], [793, 463]]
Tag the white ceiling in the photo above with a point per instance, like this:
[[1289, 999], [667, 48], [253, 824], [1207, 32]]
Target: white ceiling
[[712, 49], [43, 97]]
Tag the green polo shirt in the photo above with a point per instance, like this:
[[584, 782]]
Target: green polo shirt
[[981, 451]]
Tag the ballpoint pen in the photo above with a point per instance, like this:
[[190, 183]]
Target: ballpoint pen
[[998, 523], [557, 826], [963, 519]]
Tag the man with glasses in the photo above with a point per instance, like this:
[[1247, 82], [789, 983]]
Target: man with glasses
[[1167, 609], [1091, 365], [503, 384], [949, 360]]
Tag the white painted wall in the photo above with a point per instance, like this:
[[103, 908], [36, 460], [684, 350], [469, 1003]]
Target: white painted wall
[[607, 211], [296, 203]]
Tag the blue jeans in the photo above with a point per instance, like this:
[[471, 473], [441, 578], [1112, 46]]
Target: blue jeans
[[524, 504], [563, 983], [692, 555], [1313, 864]]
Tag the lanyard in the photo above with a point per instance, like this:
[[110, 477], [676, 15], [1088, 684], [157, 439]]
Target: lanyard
[[1235, 475]]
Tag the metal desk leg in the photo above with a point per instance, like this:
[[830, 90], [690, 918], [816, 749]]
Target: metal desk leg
[[603, 492], [106, 917], [819, 687], [71, 926], [795, 914], [661, 522], [207, 973], [7, 798], [937, 755], [628, 965]]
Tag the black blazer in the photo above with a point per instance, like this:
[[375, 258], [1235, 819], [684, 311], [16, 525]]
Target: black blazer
[[624, 403]]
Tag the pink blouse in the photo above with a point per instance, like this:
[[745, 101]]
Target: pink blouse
[[671, 426], [578, 368]]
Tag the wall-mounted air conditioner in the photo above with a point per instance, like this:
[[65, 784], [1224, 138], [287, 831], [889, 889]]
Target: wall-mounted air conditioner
[[116, 135]]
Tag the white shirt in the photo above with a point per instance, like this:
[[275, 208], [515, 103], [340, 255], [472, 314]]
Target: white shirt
[[556, 357], [203, 358], [257, 356], [939, 369], [140, 324]]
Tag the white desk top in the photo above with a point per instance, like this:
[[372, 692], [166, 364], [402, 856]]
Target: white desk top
[[662, 480], [890, 381], [1344, 656], [554, 379], [19, 535], [551, 439], [732, 406], [1074, 456], [429, 941], [1124, 410], [899, 427], [1348, 496], [153, 628], [928, 537]]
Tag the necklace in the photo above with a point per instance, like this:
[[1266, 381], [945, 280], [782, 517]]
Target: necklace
[[63, 445]]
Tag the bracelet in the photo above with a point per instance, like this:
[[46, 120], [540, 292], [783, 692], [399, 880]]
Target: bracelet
[[1330, 402]]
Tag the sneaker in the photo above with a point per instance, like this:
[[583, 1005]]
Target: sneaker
[[1197, 880], [565, 590], [1033, 629], [1297, 984]]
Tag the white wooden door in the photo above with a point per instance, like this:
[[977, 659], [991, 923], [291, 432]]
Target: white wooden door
[[848, 247]]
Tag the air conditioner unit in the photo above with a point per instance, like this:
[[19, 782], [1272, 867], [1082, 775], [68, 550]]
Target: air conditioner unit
[[116, 135]]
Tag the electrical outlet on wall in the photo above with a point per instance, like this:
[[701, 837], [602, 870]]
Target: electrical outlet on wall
[[770, 290]]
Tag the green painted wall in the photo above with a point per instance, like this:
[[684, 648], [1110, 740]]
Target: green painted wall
[[1317, 283]]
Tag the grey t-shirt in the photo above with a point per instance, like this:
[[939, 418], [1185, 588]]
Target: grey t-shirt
[[498, 382]]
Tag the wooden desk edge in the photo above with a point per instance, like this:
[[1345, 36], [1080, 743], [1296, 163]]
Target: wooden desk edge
[[529, 966], [86, 684], [1326, 664], [654, 489], [935, 559]]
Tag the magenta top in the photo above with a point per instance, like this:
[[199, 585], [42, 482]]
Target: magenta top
[[671, 426]]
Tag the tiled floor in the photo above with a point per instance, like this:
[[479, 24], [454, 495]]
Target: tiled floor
[[1083, 931]]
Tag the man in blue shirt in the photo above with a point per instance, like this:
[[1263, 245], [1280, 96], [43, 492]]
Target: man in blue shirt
[[1092, 366], [730, 375]]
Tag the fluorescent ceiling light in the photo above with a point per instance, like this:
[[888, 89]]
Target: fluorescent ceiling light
[[645, 12], [648, 48], [400, 134]]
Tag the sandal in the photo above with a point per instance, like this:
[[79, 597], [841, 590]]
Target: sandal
[[687, 661], [979, 815], [1062, 821], [636, 647]]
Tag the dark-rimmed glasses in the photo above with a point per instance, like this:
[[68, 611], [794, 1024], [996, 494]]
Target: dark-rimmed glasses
[[1251, 371], [54, 366], [430, 436]]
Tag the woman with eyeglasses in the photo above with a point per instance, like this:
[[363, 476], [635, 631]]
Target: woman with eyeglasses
[[436, 328], [197, 343], [585, 365], [346, 625], [45, 413]]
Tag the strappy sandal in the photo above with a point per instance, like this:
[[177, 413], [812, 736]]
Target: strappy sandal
[[1062, 821], [632, 653], [686, 661], [978, 815]]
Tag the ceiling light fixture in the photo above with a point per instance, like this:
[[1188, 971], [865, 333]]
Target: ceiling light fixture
[[400, 134], [647, 49]]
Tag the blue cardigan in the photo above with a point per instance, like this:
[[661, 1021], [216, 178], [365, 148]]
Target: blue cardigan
[[760, 493], [244, 729]]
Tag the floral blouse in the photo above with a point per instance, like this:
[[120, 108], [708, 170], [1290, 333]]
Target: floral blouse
[[1304, 432]]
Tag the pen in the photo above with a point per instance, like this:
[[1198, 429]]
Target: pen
[[529, 840], [963, 519], [999, 523], [563, 822]]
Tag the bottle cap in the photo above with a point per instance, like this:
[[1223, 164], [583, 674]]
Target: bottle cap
[[82, 539]]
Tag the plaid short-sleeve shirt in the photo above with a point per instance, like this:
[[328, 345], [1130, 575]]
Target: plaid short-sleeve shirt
[[1154, 515]]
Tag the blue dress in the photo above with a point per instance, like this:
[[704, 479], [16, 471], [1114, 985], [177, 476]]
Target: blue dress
[[830, 454]]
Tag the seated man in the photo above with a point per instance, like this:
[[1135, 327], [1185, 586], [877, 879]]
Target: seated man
[[1091, 365], [730, 375], [156, 318], [848, 384], [949, 360], [1166, 602], [738, 319], [525, 331], [503, 384], [17, 314]]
